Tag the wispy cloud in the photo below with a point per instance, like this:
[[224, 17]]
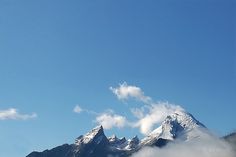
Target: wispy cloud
[[138, 112], [13, 114], [109, 120], [125, 91], [147, 115], [77, 109], [154, 115], [150, 113]]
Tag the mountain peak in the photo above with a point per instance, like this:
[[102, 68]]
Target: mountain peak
[[96, 134], [112, 138], [175, 125], [97, 129]]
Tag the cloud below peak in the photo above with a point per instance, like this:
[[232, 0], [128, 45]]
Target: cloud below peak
[[150, 113], [205, 146], [13, 114], [155, 114], [147, 116]]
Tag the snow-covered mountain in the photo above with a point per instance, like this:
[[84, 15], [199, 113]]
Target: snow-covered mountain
[[96, 135], [179, 125]]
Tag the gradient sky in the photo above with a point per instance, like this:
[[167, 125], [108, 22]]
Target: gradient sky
[[56, 54]]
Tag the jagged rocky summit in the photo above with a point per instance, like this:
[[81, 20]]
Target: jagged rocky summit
[[179, 125]]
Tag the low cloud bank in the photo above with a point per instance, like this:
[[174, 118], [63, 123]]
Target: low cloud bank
[[206, 146]]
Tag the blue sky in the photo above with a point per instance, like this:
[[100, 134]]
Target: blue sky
[[55, 55]]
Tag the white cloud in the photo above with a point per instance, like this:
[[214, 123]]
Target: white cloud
[[125, 91], [109, 120], [155, 115], [205, 146], [13, 114], [77, 109], [137, 112], [150, 114]]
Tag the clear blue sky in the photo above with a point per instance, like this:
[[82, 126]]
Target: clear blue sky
[[57, 54]]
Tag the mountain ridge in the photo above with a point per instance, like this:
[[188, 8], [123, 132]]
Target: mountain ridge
[[95, 143]]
